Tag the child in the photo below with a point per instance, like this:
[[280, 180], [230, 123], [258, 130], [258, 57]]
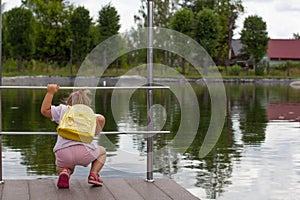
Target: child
[[70, 153]]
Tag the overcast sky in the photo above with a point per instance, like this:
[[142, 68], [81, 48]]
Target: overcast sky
[[282, 16]]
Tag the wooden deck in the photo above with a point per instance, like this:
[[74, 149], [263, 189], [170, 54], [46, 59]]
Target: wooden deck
[[113, 188]]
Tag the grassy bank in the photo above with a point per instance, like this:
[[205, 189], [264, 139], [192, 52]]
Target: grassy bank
[[34, 68], [113, 73]]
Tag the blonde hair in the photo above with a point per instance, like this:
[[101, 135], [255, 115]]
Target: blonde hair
[[79, 97]]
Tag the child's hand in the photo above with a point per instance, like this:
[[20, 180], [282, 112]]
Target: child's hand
[[52, 88], [46, 105]]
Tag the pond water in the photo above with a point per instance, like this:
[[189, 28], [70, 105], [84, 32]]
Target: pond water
[[257, 155]]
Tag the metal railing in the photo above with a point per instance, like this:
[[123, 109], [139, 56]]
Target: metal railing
[[149, 89], [91, 88], [149, 175], [103, 133]]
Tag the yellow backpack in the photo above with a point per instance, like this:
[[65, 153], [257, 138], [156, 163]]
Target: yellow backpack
[[78, 124]]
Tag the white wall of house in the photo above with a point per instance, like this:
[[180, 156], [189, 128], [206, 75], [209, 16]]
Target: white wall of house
[[278, 62]]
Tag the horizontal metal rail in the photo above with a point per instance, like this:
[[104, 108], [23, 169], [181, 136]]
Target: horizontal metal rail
[[104, 133], [75, 88], [87, 87]]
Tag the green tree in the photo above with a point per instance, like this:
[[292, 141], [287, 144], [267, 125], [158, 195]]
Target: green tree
[[207, 30], [80, 26], [254, 37], [296, 36], [108, 25], [162, 11], [6, 49], [94, 36], [20, 34], [133, 39], [182, 21], [53, 28], [108, 22], [228, 11], [199, 5]]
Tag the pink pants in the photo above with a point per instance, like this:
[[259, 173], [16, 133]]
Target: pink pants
[[76, 155]]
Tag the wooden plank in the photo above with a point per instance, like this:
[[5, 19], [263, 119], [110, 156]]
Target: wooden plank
[[15, 190], [95, 193], [1, 189], [113, 189], [43, 189], [174, 190], [75, 192], [121, 189], [147, 190]]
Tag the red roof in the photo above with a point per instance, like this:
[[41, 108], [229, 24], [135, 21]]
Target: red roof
[[284, 49]]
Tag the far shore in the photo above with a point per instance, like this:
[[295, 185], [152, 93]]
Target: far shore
[[60, 80]]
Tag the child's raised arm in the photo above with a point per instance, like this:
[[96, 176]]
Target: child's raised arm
[[47, 102]]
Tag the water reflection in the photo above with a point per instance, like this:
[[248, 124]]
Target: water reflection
[[252, 159], [283, 111], [35, 152]]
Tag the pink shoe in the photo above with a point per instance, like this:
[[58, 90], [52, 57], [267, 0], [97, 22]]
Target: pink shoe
[[63, 179], [95, 180]]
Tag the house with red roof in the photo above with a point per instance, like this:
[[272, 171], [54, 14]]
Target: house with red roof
[[283, 50], [279, 51]]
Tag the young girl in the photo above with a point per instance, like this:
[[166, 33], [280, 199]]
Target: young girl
[[69, 153]]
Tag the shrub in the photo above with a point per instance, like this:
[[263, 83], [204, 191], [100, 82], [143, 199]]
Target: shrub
[[10, 65], [235, 70], [280, 67], [221, 68], [260, 69]]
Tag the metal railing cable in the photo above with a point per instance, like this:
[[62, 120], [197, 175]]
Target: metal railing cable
[[85, 87], [102, 133], [149, 132]]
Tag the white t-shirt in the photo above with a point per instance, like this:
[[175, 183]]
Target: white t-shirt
[[57, 113]]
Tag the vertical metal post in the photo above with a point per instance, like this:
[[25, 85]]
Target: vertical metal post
[[1, 180], [149, 92]]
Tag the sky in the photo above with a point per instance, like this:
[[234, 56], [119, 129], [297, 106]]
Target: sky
[[282, 16]]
